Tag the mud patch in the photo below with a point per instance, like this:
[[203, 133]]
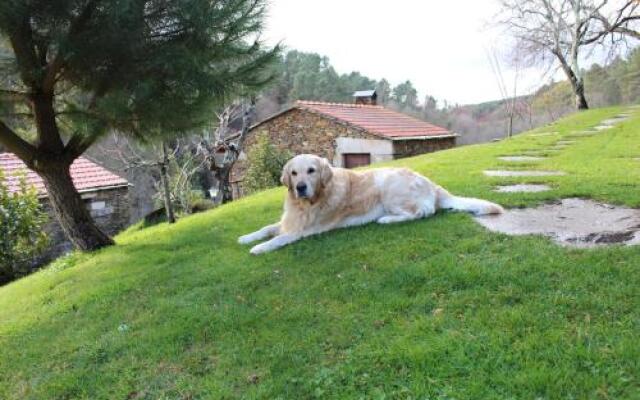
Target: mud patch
[[522, 173], [571, 222], [523, 188], [522, 158]]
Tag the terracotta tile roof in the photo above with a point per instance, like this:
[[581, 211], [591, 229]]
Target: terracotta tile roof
[[86, 175], [376, 120]]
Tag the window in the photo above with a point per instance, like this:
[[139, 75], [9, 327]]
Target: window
[[98, 205], [354, 160]]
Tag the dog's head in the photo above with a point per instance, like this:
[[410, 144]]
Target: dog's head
[[306, 176]]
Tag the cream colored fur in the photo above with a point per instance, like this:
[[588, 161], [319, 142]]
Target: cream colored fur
[[338, 198]]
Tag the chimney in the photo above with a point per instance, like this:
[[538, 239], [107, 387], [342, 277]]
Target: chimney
[[366, 97]]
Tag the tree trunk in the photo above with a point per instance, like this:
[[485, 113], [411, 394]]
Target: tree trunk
[[70, 210], [223, 177], [581, 100], [164, 179], [577, 84], [45, 120]]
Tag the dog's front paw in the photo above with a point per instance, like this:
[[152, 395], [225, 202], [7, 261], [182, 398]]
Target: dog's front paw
[[260, 248], [386, 219], [245, 239]]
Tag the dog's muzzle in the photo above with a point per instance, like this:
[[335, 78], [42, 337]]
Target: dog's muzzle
[[301, 189]]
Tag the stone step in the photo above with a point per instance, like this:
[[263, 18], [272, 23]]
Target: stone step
[[523, 188], [522, 158], [522, 173]]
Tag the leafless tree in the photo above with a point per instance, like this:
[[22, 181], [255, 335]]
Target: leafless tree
[[509, 98], [623, 19], [161, 157], [225, 144], [558, 32], [154, 156]]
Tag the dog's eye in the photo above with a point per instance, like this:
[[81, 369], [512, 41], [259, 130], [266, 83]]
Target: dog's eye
[[294, 173], [311, 170]]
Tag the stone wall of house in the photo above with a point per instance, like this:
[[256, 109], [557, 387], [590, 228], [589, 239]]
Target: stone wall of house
[[142, 190], [109, 209], [300, 131], [409, 148]]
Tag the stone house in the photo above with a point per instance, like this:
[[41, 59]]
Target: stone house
[[349, 135], [104, 193]]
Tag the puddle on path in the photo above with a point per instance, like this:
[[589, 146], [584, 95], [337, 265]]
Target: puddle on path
[[522, 173], [571, 222], [523, 188]]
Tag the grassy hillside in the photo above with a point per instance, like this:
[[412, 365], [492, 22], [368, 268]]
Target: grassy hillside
[[432, 309]]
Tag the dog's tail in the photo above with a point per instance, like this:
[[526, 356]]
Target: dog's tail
[[476, 206]]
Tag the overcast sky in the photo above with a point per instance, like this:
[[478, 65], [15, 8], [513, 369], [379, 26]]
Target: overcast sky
[[440, 45]]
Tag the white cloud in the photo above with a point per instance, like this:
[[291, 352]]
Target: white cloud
[[441, 46]]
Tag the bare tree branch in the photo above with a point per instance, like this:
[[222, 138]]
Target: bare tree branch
[[16, 144], [566, 30], [223, 149]]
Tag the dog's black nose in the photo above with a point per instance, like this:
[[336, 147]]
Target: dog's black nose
[[301, 188]]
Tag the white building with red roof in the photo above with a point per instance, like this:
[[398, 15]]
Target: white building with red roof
[[349, 135], [105, 195]]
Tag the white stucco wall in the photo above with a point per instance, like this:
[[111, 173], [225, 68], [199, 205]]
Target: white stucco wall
[[380, 150]]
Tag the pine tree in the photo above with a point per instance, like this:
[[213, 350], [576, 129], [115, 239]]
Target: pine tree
[[70, 70]]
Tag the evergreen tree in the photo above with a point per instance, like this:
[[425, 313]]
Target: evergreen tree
[[383, 88], [73, 69], [406, 95]]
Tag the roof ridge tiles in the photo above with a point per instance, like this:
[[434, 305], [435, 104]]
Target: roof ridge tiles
[[374, 119], [345, 105]]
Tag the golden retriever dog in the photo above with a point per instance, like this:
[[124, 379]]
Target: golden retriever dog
[[322, 198]]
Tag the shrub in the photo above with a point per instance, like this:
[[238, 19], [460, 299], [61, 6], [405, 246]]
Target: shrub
[[265, 165], [200, 205], [22, 238]]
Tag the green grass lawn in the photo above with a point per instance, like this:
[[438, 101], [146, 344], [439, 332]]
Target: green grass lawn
[[431, 309]]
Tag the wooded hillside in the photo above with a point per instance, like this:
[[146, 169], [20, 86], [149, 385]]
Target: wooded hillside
[[310, 76]]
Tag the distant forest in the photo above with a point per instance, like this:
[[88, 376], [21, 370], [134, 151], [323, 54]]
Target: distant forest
[[310, 76]]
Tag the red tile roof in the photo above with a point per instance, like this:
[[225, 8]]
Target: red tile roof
[[377, 120], [86, 175]]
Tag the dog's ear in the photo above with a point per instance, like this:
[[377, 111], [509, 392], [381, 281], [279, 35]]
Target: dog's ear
[[285, 178], [326, 171]]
